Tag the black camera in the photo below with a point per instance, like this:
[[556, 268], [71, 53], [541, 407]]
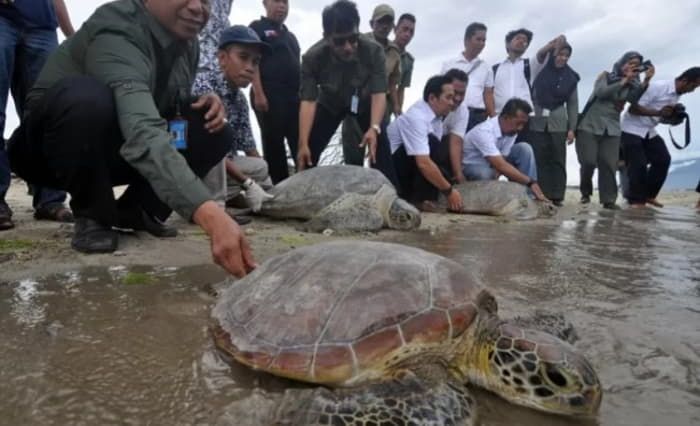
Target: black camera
[[676, 117], [644, 66]]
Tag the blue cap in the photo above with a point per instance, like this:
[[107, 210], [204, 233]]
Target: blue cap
[[240, 34]]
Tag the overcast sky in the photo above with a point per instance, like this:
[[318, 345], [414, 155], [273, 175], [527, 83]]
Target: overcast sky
[[667, 32]]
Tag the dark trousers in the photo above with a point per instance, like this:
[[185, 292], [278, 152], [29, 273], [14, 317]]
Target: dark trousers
[[647, 161], [280, 122], [71, 140], [550, 155], [476, 116], [414, 186], [326, 124]]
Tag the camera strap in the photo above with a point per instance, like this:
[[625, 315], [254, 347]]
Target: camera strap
[[687, 135]]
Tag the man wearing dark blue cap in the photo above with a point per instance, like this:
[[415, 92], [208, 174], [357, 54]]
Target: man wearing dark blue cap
[[240, 50], [111, 107]]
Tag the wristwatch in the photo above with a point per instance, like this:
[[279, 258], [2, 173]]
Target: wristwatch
[[448, 191], [376, 128], [532, 182]]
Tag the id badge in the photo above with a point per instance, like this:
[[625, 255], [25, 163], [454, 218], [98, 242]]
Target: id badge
[[178, 133], [354, 104], [545, 112]]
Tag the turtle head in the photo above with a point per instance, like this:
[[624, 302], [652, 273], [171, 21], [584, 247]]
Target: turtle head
[[397, 212], [537, 370]]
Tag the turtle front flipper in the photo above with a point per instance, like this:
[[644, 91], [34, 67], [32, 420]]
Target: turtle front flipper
[[350, 212], [406, 401]]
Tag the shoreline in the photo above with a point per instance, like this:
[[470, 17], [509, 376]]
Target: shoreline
[[39, 248]]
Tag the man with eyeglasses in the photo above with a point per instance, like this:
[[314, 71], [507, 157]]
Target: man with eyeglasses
[[342, 75], [382, 23]]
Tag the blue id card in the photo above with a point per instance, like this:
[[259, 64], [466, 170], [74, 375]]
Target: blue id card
[[178, 133]]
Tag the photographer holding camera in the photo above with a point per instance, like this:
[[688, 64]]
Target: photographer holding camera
[[645, 152]]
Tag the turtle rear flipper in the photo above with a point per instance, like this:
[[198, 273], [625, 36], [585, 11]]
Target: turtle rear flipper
[[350, 212], [405, 401]]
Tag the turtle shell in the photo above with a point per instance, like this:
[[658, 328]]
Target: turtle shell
[[342, 313]]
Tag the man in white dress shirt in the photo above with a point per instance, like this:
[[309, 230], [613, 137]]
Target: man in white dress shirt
[[490, 149], [414, 138], [454, 127], [646, 156], [479, 98]]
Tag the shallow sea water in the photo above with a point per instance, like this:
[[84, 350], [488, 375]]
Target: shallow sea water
[[87, 348]]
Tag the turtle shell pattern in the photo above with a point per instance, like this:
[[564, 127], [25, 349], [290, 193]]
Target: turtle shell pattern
[[343, 313]]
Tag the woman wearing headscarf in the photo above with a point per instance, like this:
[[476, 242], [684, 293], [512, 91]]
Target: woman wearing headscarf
[[555, 97], [598, 135]]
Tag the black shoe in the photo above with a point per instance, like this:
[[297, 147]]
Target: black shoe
[[55, 213], [5, 216], [611, 206], [90, 236], [139, 220], [585, 199]]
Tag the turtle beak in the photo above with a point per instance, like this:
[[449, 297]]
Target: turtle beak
[[402, 215]]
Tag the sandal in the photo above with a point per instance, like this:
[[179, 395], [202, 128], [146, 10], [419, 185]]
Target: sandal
[[55, 213]]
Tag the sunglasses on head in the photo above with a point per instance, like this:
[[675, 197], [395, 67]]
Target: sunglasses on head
[[341, 40]]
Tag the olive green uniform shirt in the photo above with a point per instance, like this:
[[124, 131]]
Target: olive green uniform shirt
[[332, 82], [407, 61], [561, 119], [124, 47], [604, 113], [392, 55]]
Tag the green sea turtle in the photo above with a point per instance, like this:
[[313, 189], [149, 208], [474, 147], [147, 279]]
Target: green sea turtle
[[343, 198], [500, 198], [392, 334]]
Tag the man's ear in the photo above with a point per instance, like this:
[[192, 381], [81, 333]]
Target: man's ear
[[221, 55]]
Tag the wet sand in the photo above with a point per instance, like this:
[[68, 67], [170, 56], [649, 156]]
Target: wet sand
[[122, 338]]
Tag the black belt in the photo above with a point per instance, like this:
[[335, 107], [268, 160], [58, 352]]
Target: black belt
[[477, 110]]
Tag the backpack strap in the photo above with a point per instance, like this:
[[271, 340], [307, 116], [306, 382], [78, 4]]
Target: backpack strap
[[527, 72]]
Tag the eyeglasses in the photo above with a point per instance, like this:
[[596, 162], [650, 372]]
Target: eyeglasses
[[341, 40]]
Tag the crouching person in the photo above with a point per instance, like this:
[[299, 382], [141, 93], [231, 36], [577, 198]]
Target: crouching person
[[415, 137], [111, 107], [490, 149], [239, 55]]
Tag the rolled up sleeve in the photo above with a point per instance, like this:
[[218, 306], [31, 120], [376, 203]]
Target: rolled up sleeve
[[126, 69], [309, 81], [377, 81]]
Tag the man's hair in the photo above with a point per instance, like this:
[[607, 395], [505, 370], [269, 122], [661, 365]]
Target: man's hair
[[527, 33], [457, 74], [434, 86], [473, 28], [511, 108], [691, 74], [340, 17], [407, 17]]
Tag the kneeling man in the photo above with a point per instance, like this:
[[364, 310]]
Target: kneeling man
[[490, 149], [415, 137]]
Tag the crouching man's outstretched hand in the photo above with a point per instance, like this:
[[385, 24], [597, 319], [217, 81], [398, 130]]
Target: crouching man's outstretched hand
[[229, 247]]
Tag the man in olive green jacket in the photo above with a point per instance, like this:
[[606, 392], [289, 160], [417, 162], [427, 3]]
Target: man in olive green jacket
[[98, 117]]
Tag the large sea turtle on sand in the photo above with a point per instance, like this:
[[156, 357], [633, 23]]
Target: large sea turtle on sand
[[343, 198], [393, 334], [500, 198]]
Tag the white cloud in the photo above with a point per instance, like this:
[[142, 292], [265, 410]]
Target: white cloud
[[599, 31]]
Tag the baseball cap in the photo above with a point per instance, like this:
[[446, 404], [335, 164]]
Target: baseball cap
[[240, 34], [381, 11]]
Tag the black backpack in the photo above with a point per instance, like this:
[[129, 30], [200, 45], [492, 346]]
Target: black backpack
[[526, 71]]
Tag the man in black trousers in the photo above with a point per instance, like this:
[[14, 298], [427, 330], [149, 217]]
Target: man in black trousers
[[111, 107]]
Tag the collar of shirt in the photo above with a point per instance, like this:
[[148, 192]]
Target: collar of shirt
[[164, 37], [463, 60], [274, 24]]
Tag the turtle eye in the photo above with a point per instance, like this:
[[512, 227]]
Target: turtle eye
[[555, 376]]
